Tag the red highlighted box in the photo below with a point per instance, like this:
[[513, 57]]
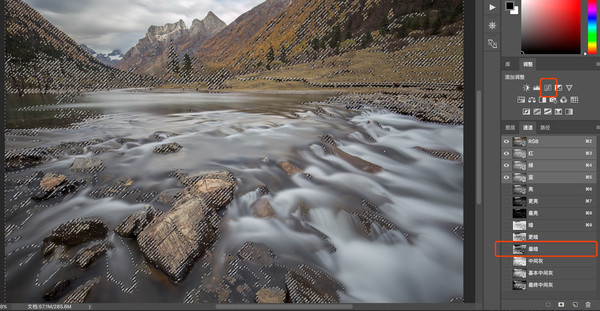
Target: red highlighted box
[[524, 242], [555, 87]]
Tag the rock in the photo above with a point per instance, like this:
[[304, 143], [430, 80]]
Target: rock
[[270, 295], [309, 285], [87, 164], [191, 179], [442, 154], [170, 196], [261, 208], [256, 253], [61, 189], [161, 135], [216, 193], [116, 188], [86, 257], [80, 293], [167, 148], [289, 168], [133, 225], [174, 240], [355, 161], [57, 290], [77, 231], [48, 248], [51, 181]]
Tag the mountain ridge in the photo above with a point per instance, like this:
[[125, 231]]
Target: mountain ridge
[[149, 55]]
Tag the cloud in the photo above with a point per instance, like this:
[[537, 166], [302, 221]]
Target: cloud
[[104, 25]]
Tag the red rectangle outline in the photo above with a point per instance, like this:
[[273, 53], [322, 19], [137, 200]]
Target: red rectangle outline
[[555, 87], [521, 242]]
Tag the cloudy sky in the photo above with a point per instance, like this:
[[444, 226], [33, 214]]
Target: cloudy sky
[[104, 25]]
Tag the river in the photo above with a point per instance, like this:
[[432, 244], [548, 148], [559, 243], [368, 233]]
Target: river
[[247, 134]]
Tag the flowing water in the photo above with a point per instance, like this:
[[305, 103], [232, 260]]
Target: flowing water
[[247, 134]]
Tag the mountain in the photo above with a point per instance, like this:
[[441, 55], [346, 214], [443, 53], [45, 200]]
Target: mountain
[[149, 55], [304, 30], [41, 58], [109, 60], [240, 33]]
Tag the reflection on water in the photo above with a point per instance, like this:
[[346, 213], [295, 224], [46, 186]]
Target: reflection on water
[[420, 261]]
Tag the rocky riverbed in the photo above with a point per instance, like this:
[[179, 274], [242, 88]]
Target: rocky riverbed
[[339, 200]]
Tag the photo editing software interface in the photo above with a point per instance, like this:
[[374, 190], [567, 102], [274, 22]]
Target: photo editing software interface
[[300, 155]]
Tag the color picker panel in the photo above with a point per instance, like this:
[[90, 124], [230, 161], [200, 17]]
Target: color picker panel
[[551, 26], [592, 27]]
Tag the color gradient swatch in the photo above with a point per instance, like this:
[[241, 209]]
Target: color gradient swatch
[[551, 26], [592, 27]]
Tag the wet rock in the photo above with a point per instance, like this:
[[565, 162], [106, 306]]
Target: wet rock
[[361, 164], [217, 193], [169, 197], [16, 159], [161, 135], [328, 140], [442, 154], [48, 248], [308, 285], [57, 290], [191, 179], [261, 208], [270, 295], [167, 148], [87, 256], [256, 253], [289, 168], [173, 241], [61, 189], [134, 224], [51, 181], [116, 188], [77, 231], [80, 293], [355, 161], [87, 164]]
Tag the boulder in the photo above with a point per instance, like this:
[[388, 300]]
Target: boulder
[[57, 290], [80, 293], [309, 285], [261, 208], [134, 224], [174, 240], [87, 256], [87, 164], [51, 181], [289, 168], [167, 148], [77, 231], [217, 193], [270, 295]]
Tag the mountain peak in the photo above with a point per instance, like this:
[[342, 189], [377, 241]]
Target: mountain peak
[[210, 25], [166, 32]]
